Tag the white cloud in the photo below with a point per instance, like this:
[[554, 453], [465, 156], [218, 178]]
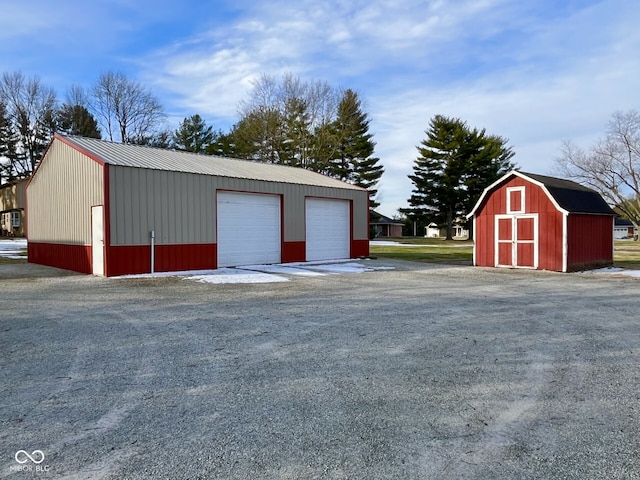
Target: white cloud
[[534, 73]]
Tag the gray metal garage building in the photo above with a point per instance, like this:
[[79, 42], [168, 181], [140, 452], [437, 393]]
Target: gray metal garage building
[[98, 207]]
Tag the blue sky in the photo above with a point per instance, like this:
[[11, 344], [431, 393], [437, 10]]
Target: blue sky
[[535, 72]]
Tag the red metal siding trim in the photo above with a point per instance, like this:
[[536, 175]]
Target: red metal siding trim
[[70, 143], [171, 258], [294, 251], [127, 259], [106, 212], [132, 259], [68, 257], [590, 240], [359, 248]]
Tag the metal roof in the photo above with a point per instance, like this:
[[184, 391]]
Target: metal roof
[[137, 156]]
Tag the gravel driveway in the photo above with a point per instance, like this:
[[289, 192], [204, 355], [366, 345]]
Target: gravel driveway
[[421, 372]]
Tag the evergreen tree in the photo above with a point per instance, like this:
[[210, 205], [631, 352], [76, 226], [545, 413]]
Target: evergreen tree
[[353, 147], [8, 146], [222, 145], [455, 164], [193, 135], [76, 120], [30, 108]]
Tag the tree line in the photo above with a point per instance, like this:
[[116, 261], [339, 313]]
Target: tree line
[[288, 122], [311, 125]]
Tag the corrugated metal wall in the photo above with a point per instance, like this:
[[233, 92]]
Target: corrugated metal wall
[[181, 207], [60, 196]]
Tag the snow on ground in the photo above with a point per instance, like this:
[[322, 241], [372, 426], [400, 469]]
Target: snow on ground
[[266, 273], [230, 275], [282, 268], [616, 271], [220, 275], [344, 266], [13, 248]]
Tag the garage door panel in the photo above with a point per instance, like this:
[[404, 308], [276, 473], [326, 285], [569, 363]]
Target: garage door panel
[[248, 229], [328, 229]]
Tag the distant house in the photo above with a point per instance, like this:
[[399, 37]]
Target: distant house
[[432, 230], [382, 226], [623, 228], [12, 202], [458, 230], [525, 220]]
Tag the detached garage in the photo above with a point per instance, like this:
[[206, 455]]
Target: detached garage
[[112, 209], [525, 220]]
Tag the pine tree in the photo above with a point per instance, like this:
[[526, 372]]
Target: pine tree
[[455, 164], [30, 108], [76, 120], [353, 147], [193, 135], [8, 146]]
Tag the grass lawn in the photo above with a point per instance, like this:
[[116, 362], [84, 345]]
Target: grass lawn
[[626, 254], [434, 250], [460, 252]]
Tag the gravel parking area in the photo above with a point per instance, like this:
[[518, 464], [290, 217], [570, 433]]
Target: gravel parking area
[[420, 372]]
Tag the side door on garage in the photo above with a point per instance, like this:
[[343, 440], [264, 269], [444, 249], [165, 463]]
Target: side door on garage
[[327, 228], [248, 228]]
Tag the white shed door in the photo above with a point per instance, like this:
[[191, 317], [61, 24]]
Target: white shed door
[[328, 232], [248, 229]]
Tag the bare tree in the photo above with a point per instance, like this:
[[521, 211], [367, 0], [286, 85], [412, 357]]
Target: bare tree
[[127, 111], [30, 109], [77, 95], [281, 121], [611, 166]]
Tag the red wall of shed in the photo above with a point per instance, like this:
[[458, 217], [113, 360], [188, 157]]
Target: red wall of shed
[[536, 201], [590, 241]]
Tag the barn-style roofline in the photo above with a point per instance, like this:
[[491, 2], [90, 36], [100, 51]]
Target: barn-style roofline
[[566, 195]]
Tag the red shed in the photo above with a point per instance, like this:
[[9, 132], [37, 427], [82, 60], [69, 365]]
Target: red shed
[[533, 221]]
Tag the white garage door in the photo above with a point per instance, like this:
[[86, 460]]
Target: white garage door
[[327, 229], [248, 229]]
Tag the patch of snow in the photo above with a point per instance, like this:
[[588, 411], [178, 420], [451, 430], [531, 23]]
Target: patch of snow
[[616, 271], [221, 275], [350, 267], [238, 277], [280, 268], [266, 273], [13, 248]]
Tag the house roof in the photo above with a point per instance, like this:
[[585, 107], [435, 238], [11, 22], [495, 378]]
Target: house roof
[[571, 197], [622, 222], [379, 219], [137, 156]]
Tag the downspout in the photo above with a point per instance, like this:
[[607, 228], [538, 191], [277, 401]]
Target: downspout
[[153, 250]]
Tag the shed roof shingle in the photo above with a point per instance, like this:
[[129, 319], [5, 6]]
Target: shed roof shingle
[[137, 156], [572, 196]]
